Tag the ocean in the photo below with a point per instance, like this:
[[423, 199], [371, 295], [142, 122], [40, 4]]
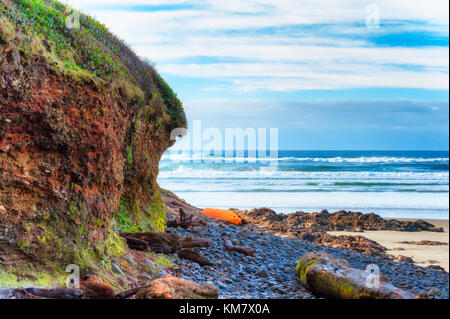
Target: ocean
[[397, 184]]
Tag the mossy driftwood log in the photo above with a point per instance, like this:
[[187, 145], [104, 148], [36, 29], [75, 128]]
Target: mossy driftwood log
[[328, 277]]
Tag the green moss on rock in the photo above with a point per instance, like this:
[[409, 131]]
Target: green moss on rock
[[164, 260], [18, 277], [140, 217], [333, 278], [306, 262], [67, 239]]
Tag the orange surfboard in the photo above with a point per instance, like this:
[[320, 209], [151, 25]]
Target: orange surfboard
[[226, 215]]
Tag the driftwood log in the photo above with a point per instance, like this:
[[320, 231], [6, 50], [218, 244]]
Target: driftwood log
[[328, 277], [24, 294], [160, 242], [136, 243], [194, 256], [39, 293], [129, 293], [183, 220], [60, 293], [166, 243], [190, 242], [174, 204], [240, 249]]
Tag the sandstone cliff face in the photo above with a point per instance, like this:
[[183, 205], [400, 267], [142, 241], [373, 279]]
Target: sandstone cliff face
[[80, 143]]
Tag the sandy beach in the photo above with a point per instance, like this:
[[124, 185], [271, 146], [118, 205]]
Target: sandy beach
[[423, 255]]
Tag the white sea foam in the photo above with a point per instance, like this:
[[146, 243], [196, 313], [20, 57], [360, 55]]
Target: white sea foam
[[364, 159], [186, 157], [401, 186], [188, 172]]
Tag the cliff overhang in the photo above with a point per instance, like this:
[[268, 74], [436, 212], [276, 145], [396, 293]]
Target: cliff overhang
[[83, 124]]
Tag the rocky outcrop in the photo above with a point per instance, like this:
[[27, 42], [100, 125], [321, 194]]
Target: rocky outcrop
[[287, 226], [314, 227], [424, 243], [328, 277], [437, 267], [177, 288], [83, 124], [338, 221]]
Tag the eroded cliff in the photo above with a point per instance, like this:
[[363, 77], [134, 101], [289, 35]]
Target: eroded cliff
[[83, 125]]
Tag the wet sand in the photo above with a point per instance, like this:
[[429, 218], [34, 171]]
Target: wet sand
[[422, 255]]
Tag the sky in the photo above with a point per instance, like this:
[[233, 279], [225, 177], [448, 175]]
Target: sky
[[339, 75]]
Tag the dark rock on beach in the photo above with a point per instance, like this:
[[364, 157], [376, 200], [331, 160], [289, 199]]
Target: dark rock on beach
[[299, 226], [338, 221], [404, 259], [424, 243]]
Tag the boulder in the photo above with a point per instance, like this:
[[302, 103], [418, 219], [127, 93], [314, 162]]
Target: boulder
[[171, 287], [404, 259], [94, 288]]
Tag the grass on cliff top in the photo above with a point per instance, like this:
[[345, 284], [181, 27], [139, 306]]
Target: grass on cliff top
[[87, 50]]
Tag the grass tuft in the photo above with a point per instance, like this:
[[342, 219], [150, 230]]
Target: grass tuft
[[88, 51]]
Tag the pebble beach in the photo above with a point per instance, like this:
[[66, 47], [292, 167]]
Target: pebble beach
[[271, 272]]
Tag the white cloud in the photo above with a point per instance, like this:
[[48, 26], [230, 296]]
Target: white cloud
[[285, 60], [315, 81], [427, 57], [315, 11]]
